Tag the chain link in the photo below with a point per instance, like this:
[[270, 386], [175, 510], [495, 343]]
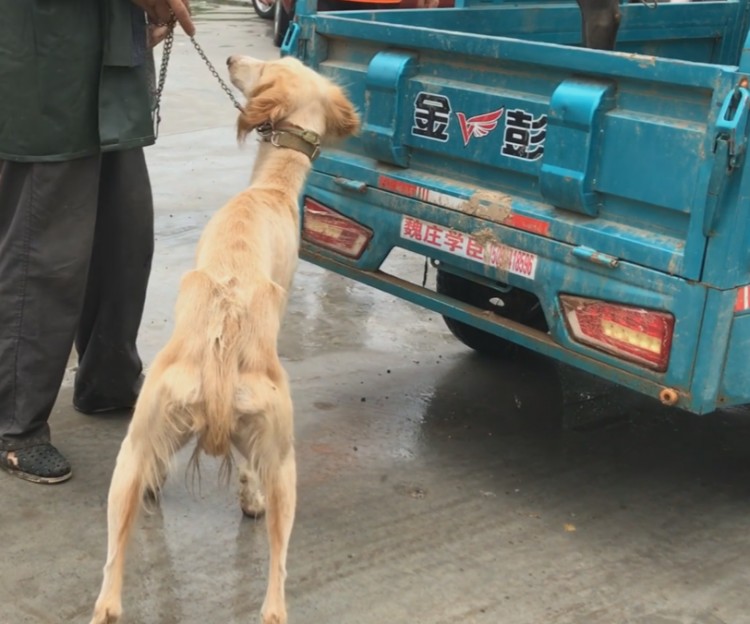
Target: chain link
[[215, 74], [166, 53]]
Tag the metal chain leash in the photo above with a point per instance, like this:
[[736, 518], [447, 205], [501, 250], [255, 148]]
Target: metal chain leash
[[215, 74], [166, 53]]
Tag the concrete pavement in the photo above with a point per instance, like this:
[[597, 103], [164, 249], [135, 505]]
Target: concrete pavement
[[435, 486]]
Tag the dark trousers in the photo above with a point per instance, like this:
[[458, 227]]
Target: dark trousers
[[76, 241]]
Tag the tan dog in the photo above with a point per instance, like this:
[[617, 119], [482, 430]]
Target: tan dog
[[219, 377]]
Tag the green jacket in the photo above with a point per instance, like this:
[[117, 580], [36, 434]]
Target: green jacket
[[75, 79]]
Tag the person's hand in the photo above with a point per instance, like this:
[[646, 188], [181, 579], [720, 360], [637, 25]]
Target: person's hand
[[156, 34], [160, 12]]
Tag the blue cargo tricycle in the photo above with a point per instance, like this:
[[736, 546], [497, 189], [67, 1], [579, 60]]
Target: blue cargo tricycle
[[588, 205]]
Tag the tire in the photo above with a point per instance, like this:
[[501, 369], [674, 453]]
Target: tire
[[281, 21], [516, 304], [264, 11]]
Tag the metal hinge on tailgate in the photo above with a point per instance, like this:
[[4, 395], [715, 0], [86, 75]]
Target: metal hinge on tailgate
[[729, 148]]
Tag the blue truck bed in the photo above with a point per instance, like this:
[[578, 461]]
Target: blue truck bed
[[589, 205]]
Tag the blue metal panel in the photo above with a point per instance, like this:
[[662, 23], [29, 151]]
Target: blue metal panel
[[744, 62], [728, 50], [561, 23], [669, 154], [559, 271], [619, 239], [727, 262], [571, 152], [663, 151], [712, 349], [383, 131], [503, 49], [729, 149], [640, 193], [291, 40], [735, 383]]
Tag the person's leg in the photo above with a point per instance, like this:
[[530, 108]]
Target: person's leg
[[109, 368], [47, 215]]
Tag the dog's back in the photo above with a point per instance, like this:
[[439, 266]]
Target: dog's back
[[228, 312]]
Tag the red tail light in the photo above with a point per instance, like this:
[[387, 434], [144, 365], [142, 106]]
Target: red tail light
[[329, 229], [633, 334]]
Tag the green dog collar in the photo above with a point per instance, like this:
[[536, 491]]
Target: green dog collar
[[291, 137]]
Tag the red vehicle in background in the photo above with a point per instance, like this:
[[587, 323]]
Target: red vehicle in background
[[282, 11]]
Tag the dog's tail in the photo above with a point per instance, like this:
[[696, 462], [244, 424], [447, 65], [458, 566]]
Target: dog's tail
[[219, 314], [218, 378], [232, 323]]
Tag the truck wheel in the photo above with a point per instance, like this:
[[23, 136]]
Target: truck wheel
[[263, 10], [515, 304], [281, 21]]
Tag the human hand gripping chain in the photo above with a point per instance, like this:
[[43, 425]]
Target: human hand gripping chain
[[165, 12]]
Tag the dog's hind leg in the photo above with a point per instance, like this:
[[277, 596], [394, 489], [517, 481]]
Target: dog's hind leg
[[281, 495], [124, 503], [265, 437], [151, 441]]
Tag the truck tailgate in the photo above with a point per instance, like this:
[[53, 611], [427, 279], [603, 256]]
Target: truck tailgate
[[490, 111]]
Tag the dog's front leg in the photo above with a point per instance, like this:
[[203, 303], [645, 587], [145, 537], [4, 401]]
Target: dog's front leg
[[281, 494]]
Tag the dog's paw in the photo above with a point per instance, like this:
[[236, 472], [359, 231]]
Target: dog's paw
[[270, 616], [106, 614], [253, 506]]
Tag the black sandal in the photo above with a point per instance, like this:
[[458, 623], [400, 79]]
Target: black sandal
[[42, 463]]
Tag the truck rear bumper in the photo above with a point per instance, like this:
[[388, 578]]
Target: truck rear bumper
[[559, 268]]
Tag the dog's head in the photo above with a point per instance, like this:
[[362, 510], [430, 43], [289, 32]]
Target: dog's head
[[286, 91]]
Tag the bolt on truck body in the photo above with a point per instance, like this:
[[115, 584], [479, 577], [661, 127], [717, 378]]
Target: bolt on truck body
[[588, 205]]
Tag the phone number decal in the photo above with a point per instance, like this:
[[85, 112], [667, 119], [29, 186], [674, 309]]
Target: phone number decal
[[490, 253]]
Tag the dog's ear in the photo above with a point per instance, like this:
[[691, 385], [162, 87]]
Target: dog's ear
[[269, 101], [342, 120], [244, 125]]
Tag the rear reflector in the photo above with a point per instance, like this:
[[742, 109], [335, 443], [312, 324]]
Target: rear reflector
[[329, 229], [633, 334]]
